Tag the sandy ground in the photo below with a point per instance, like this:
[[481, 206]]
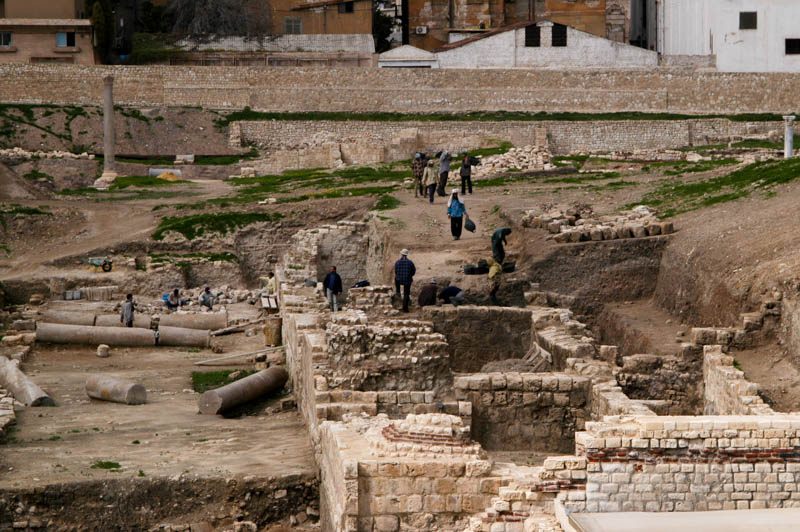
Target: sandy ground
[[167, 436], [663, 331]]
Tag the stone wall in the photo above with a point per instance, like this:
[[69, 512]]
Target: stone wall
[[525, 411], [664, 464], [727, 392], [283, 89], [346, 248], [477, 335]]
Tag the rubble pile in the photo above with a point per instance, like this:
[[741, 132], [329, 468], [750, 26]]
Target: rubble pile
[[525, 159], [576, 225], [18, 155]]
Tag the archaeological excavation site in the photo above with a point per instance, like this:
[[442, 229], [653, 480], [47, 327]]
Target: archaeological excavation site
[[177, 355]]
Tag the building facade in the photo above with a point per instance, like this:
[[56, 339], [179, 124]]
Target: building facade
[[295, 17], [46, 41]]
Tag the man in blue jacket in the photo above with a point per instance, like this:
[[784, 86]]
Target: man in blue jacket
[[404, 271], [333, 287]]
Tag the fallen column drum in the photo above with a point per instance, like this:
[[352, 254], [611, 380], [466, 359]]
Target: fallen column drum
[[244, 390], [107, 388], [140, 321], [179, 336], [21, 386], [67, 317], [56, 333], [210, 321]]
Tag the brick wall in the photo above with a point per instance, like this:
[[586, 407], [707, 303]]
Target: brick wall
[[407, 90], [690, 463], [535, 411]]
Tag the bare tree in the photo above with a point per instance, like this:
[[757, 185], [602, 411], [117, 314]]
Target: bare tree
[[222, 17]]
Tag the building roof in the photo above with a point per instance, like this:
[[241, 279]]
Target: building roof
[[324, 3], [45, 22], [407, 53], [484, 35]]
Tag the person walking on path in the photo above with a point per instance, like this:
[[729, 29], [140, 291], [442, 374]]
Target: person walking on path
[[452, 295], [495, 272], [498, 239], [404, 271], [456, 211], [427, 296], [444, 169], [467, 163], [429, 179], [126, 317], [207, 299], [417, 168], [333, 287]]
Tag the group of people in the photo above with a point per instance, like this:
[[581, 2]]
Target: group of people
[[428, 178]]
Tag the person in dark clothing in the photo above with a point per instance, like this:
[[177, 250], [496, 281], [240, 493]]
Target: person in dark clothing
[[333, 288], [417, 168], [456, 210], [427, 296], [467, 163], [452, 295], [498, 239], [404, 271], [444, 170], [126, 318]]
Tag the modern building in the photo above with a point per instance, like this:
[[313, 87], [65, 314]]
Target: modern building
[[734, 35], [336, 17]]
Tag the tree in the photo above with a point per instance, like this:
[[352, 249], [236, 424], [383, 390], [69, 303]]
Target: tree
[[222, 17], [382, 26], [99, 25]]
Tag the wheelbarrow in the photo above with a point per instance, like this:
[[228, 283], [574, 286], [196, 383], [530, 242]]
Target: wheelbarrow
[[100, 262]]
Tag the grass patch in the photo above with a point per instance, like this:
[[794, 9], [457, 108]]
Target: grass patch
[[19, 209], [103, 464], [683, 167], [143, 182], [387, 203], [223, 223], [36, 174], [202, 381], [211, 257], [249, 114], [672, 198]]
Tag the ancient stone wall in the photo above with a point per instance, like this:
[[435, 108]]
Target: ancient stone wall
[[477, 335], [284, 89], [532, 411], [346, 248], [727, 392], [690, 463]]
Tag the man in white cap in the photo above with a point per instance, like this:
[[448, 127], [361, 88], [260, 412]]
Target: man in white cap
[[404, 271]]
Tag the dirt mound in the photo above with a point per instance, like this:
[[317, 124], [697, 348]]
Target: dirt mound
[[508, 366], [14, 187]]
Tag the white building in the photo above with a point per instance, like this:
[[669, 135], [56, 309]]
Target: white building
[[542, 45], [743, 35]]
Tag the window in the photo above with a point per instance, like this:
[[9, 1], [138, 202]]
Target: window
[[533, 36], [346, 7], [559, 35], [65, 39], [292, 25], [792, 46], [748, 20], [5, 38]]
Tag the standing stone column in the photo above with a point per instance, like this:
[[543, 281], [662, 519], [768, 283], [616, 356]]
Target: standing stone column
[[108, 126], [788, 141]]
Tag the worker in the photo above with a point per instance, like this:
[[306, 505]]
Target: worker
[[429, 180], [126, 317], [495, 272], [333, 288], [417, 169], [444, 170], [207, 299], [271, 299], [452, 295], [404, 271], [427, 296], [498, 239], [467, 163], [456, 211], [174, 300]]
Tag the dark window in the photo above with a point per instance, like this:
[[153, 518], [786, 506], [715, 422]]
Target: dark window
[[5, 38], [559, 35], [65, 39], [292, 25], [792, 46], [533, 36], [346, 7], [748, 20]]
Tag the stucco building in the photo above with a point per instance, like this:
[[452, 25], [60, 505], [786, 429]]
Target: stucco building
[[295, 17]]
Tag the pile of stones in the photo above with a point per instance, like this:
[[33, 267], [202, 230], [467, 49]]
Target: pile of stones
[[17, 155], [525, 159], [571, 226]]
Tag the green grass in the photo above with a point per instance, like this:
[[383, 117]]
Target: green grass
[[103, 464], [19, 209], [36, 174], [387, 203], [211, 257], [672, 198], [195, 225], [201, 160], [202, 381], [249, 114], [684, 167], [142, 182], [747, 143]]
